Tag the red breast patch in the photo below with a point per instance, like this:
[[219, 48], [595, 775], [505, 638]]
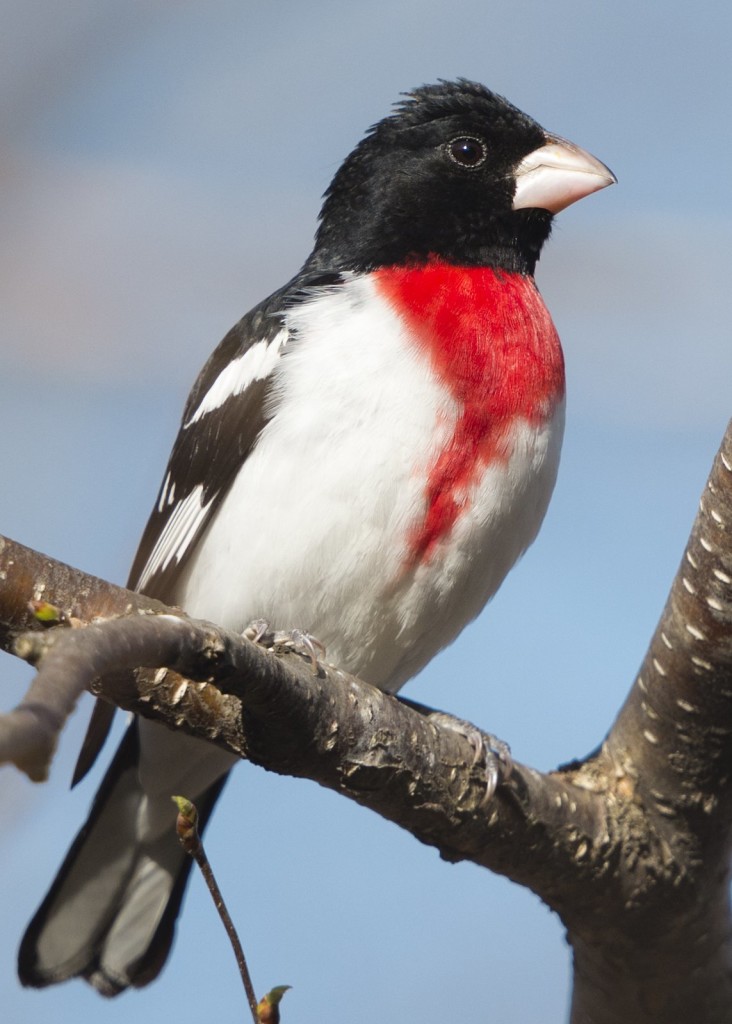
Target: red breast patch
[[491, 341]]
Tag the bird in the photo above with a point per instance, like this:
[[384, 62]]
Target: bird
[[365, 455]]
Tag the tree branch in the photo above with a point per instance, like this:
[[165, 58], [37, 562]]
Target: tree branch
[[272, 708]]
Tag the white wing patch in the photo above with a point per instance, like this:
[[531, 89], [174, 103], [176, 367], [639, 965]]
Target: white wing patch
[[167, 494], [175, 539], [254, 364]]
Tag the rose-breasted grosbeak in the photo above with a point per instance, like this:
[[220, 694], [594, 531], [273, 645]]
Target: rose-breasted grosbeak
[[366, 454]]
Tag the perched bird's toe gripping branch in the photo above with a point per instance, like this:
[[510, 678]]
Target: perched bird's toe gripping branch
[[259, 631], [489, 750]]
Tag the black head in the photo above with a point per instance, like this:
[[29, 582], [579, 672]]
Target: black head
[[437, 178]]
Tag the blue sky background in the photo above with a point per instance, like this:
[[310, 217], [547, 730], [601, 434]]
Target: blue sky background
[[161, 165]]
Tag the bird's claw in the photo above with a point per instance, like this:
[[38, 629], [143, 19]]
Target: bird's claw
[[297, 640], [256, 631], [487, 748]]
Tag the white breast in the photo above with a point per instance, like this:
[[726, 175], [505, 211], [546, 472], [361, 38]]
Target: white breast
[[313, 532]]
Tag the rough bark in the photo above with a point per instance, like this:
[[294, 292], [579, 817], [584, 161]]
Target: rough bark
[[630, 847]]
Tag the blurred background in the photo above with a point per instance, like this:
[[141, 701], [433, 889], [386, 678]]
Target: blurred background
[[161, 165]]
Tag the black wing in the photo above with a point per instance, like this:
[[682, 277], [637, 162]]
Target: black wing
[[219, 428], [223, 416]]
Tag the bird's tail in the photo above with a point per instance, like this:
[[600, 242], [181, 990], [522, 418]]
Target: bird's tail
[[109, 916]]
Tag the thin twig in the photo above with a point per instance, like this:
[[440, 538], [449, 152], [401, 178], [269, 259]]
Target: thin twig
[[187, 829]]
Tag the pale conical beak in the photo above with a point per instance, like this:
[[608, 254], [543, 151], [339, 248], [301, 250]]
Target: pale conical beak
[[557, 175]]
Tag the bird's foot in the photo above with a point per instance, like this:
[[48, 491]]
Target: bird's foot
[[260, 632], [487, 748]]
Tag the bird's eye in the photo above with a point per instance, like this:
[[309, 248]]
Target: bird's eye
[[467, 151]]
